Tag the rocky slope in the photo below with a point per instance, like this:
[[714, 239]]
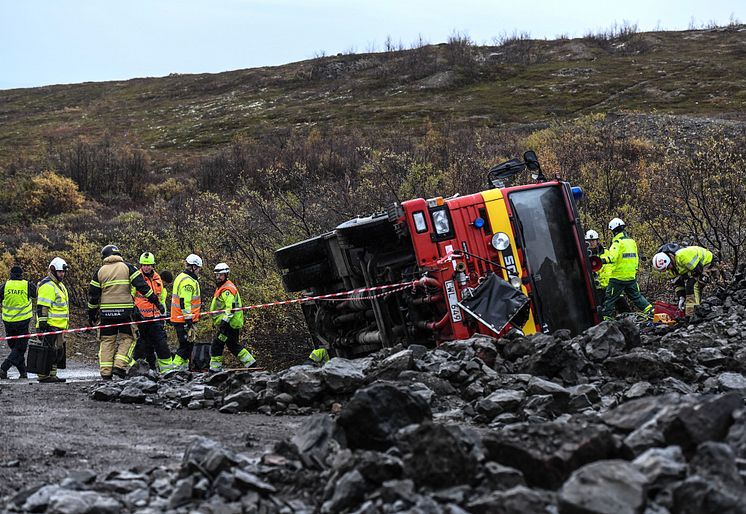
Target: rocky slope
[[612, 421]]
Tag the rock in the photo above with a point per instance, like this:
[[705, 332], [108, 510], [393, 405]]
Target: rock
[[547, 453], [605, 340], [82, 502], [106, 393], [518, 500], [439, 456], [342, 375], [717, 462], [662, 466], [141, 368], [418, 351], [208, 456], [380, 467], [315, 440], [245, 399], [249, 481], [696, 495], [499, 477], [537, 385], [374, 414], [523, 346], [132, 394], [640, 364], [142, 382], [182, 492], [500, 401], [437, 385], [225, 485], [229, 408], [39, 499], [304, 383], [557, 359], [732, 382], [634, 413], [736, 437], [631, 332], [348, 491], [638, 390], [604, 487], [392, 366], [707, 420]]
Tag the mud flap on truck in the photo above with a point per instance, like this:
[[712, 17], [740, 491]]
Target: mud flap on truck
[[495, 303]]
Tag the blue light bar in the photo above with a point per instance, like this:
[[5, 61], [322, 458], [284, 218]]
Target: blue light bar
[[577, 193]]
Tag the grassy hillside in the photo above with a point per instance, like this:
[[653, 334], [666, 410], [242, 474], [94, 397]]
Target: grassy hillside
[[698, 72]]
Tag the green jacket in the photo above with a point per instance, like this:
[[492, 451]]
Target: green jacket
[[622, 258]]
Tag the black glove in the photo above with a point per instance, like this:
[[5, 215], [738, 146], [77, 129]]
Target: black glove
[[92, 317], [44, 327], [224, 326], [161, 309]]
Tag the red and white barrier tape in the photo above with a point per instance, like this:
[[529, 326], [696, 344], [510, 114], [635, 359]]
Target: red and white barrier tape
[[389, 289]]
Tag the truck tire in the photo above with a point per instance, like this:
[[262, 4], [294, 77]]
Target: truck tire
[[302, 253], [371, 231], [306, 277]]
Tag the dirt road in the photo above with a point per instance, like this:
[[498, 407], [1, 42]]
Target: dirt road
[[47, 430]]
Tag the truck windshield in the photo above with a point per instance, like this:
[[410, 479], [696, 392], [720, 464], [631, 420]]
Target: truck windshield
[[553, 261]]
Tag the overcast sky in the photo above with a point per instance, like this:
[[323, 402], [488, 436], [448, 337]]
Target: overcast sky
[[65, 41]]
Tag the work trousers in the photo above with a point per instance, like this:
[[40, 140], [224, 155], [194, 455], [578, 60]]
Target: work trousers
[[230, 340], [17, 356], [116, 345], [628, 288], [152, 342], [621, 305], [185, 344], [54, 342]]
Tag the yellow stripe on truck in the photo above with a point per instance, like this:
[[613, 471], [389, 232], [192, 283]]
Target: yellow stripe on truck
[[500, 222]]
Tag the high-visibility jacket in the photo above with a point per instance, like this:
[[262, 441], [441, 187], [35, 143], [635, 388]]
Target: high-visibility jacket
[[16, 301], [145, 306], [319, 356], [52, 296], [186, 300], [691, 260], [226, 297], [111, 288], [622, 258], [602, 275]]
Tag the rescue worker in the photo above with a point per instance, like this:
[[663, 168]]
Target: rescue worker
[[601, 277], [687, 267], [186, 303], [53, 312], [110, 295], [152, 342], [16, 296], [318, 357], [228, 323], [623, 260]]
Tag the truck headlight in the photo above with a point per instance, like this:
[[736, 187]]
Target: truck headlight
[[500, 241], [440, 220]]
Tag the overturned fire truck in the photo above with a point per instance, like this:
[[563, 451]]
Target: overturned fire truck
[[508, 258]]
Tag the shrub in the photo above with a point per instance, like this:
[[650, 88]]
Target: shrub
[[48, 194]]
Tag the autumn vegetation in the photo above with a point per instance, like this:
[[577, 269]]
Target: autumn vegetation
[[240, 199]]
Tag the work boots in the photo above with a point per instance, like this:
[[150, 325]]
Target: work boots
[[52, 379]]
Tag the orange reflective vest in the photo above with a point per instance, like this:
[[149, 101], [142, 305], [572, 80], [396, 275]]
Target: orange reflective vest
[[185, 299], [146, 308]]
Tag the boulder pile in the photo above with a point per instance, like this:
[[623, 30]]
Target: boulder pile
[[615, 420]]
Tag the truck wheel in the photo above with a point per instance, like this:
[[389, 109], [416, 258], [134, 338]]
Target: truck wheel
[[375, 230], [302, 253], [307, 277]]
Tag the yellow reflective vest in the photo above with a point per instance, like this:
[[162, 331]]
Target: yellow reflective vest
[[186, 300], [622, 258], [16, 301], [53, 295]]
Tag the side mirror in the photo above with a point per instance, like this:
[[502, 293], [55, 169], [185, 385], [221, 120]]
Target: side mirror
[[532, 163]]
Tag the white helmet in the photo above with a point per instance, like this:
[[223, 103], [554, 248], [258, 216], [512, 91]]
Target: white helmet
[[661, 262], [615, 224], [58, 264], [222, 268], [591, 235], [194, 260]]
